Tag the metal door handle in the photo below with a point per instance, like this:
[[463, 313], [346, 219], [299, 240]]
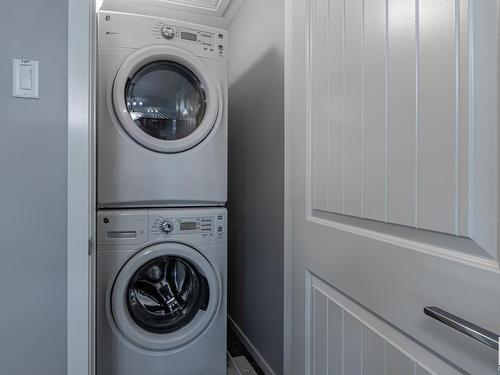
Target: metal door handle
[[471, 330]]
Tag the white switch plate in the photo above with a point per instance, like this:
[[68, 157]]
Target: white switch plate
[[25, 78]]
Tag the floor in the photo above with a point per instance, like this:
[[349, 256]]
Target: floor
[[236, 348]]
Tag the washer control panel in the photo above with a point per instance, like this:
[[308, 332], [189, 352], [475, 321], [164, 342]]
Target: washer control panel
[[205, 226], [135, 226]]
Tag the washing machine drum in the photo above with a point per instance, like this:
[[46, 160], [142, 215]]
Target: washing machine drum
[[165, 296], [166, 99], [166, 293]]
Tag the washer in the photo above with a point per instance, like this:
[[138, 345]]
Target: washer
[[162, 113], [161, 287]]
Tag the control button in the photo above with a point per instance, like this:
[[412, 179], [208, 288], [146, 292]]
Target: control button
[[220, 217], [221, 36], [166, 226], [220, 229], [167, 32]]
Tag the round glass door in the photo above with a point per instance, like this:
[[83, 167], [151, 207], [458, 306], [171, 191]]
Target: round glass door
[[166, 100], [165, 296], [166, 293]]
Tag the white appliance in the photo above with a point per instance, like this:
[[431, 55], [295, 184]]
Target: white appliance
[[161, 286], [162, 113]]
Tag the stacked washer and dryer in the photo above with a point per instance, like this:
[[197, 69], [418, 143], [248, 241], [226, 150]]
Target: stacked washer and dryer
[[161, 191]]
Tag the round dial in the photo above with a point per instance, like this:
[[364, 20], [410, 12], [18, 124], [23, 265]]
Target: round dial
[[166, 226], [168, 32]]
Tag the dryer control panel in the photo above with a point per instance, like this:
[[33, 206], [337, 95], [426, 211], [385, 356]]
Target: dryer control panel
[[122, 30], [211, 42]]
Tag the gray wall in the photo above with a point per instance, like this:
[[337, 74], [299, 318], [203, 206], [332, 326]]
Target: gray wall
[[33, 141], [256, 168]]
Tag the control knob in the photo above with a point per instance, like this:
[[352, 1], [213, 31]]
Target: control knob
[[166, 226], [167, 32]]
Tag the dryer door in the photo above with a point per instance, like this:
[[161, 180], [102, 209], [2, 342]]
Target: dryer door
[[165, 296], [166, 99]]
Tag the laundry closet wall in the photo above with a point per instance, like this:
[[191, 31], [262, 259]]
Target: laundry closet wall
[[33, 184], [256, 168]]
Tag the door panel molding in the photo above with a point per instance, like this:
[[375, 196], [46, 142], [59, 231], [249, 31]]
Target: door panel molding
[[424, 248], [348, 324], [396, 136]]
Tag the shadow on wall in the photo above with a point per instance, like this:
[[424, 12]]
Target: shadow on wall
[[256, 193]]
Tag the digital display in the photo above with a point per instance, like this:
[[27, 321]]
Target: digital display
[[188, 225], [189, 36]]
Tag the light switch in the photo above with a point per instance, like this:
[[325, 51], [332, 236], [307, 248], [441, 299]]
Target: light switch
[[25, 78]]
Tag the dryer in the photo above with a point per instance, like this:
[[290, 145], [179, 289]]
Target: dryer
[[161, 113], [161, 282]]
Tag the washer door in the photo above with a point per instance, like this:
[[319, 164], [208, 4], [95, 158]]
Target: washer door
[[166, 99], [165, 296]]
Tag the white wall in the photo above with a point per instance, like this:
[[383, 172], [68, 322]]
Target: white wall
[[256, 172], [33, 178]]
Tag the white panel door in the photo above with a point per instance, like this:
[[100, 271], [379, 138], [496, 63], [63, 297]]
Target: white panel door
[[393, 164]]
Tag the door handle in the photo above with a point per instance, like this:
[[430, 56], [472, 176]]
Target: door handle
[[480, 334]]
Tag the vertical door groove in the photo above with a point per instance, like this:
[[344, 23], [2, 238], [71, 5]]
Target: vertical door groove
[[417, 106], [457, 117], [386, 129], [363, 98]]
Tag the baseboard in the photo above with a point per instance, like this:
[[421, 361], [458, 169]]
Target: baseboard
[[251, 349]]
